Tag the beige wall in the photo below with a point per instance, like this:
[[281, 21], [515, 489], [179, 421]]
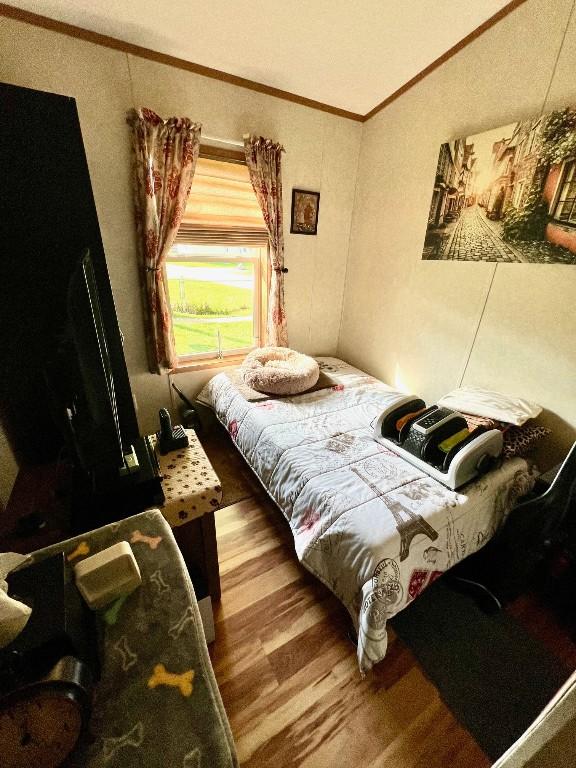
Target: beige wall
[[414, 322], [321, 154]]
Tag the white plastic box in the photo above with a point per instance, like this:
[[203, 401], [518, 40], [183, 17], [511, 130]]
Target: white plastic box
[[107, 575]]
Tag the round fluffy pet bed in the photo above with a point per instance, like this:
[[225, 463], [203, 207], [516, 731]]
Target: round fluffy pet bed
[[279, 371]]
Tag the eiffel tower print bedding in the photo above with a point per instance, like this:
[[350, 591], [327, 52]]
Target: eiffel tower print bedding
[[373, 528]]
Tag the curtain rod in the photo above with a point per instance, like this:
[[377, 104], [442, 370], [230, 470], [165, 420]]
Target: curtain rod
[[216, 140]]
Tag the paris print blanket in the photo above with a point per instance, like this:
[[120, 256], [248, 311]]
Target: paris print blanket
[[373, 528]]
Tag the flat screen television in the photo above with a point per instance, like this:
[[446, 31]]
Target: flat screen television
[[92, 411], [81, 381], [46, 221]]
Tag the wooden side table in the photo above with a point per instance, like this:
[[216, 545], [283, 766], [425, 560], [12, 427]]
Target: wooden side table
[[193, 493]]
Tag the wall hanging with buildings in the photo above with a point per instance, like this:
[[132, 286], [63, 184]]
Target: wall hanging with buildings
[[508, 194]]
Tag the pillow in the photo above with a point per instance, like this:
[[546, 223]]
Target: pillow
[[492, 405]]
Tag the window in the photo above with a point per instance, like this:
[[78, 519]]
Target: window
[[215, 299], [534, 132], [217, 270], [518, 193], [565, 208]]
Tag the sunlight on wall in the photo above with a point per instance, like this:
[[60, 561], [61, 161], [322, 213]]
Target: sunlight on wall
[[399, 382]]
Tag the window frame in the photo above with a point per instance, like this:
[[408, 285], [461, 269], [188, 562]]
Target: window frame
[[567, 178], [262, 270], [260, 262], [518, 193]]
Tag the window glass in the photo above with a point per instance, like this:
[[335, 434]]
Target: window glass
[[214, 298], [565, 209], [214, 270]]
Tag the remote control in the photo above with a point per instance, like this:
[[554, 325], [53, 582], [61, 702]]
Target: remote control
[[431, 421]]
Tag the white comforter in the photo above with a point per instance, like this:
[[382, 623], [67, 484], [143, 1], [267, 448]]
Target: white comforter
[[372, 527]]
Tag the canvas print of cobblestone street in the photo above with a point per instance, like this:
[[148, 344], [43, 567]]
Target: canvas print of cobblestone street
[[507, 195]]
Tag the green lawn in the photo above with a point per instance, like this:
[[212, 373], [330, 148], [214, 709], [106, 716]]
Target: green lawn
[[223, 299], [202, 337], [207, 301]]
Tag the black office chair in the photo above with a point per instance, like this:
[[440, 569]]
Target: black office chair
[[503, 568]]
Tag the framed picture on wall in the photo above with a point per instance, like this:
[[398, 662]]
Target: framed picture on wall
[[507, 195], [305, 206]]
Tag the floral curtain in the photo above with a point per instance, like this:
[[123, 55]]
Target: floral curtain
[[165, 155], [263, 158]]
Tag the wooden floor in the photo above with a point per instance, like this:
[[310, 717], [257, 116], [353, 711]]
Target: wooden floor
[[289, 676]]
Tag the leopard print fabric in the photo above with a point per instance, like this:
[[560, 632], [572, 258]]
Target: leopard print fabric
[[518, 441]]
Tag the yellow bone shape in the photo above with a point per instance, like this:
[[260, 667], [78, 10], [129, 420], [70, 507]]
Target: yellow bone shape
[[81, 549], [182, 681], [152, 541]]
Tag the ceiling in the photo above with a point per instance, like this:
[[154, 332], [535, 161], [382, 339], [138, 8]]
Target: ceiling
[[350, 54]]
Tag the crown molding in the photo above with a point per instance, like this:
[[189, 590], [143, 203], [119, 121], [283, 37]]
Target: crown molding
[[116, 44], [502, 13], [163, 58]]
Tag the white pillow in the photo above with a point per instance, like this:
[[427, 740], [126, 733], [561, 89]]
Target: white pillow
[[491, 405]]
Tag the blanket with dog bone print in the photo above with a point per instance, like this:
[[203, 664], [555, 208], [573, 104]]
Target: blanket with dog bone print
[[157, 703]]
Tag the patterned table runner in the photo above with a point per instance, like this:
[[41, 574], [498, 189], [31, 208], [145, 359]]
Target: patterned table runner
[[190, 484]]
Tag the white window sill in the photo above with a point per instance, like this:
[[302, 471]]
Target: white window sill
[[187, 366]]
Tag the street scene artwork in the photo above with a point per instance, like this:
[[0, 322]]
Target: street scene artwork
[[507, 195]]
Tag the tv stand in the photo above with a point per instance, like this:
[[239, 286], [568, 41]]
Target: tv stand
[[51, 502], [131, 463], [127, 494]]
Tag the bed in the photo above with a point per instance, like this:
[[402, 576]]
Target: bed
[[373, 528]]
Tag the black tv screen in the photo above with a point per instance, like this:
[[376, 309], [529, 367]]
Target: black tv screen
[[47, 218], [93, 412]]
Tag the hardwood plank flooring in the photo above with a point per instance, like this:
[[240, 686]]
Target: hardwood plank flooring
[[289, 676], [553, 625]]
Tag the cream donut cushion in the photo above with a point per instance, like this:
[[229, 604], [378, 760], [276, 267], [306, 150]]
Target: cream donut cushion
[[279, 371]]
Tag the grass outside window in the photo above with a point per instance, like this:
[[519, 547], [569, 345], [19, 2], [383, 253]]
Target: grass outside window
[[215, 299]]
